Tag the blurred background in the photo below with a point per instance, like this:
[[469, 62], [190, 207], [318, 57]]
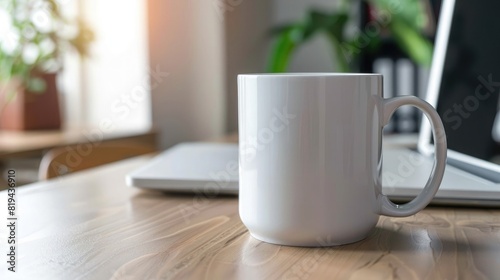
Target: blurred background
[[79, 76]]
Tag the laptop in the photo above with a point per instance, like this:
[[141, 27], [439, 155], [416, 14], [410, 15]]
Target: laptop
[[464, 90], [205, 168], [462, 87]]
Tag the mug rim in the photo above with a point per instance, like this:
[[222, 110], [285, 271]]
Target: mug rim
[[310, 74]]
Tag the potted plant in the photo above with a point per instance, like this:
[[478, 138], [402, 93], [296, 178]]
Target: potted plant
[[404, 21], [34, 36]]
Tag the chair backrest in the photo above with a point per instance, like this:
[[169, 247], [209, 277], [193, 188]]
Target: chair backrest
[[64, 160]]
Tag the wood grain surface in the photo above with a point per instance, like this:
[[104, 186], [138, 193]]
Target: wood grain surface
[[90, 225], [33, 143]]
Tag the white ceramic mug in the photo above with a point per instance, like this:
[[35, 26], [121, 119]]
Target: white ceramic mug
[[310, 157]]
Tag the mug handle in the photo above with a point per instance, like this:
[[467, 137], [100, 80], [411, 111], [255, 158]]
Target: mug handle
[[388, 208]]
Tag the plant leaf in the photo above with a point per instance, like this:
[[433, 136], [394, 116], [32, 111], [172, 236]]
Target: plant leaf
[[282, 50], [418, 48], [410, 11]]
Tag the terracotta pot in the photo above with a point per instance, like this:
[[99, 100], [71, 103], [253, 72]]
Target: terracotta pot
[[30, 110]]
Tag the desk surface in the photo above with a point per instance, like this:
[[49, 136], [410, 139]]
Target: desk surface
[[27, 143], [90, 225]]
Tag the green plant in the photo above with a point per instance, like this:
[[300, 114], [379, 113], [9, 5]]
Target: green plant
[[34, 34], [404, 21]]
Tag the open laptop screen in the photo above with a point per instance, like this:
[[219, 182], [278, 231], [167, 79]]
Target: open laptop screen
[[468, 98]]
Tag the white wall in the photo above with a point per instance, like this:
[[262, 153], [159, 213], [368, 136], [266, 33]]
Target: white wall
[[186, 40], [203, 45], [247, 42]]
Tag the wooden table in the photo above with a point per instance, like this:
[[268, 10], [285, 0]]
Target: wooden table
[[90, 225], [14, 144], [25, 149]]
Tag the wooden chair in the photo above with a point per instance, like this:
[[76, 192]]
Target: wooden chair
[[64, 160]]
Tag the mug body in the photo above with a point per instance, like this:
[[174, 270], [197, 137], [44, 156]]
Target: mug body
[[310, 156]]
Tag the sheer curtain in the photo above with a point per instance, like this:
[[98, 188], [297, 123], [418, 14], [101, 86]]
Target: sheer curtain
[[115, 76]]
